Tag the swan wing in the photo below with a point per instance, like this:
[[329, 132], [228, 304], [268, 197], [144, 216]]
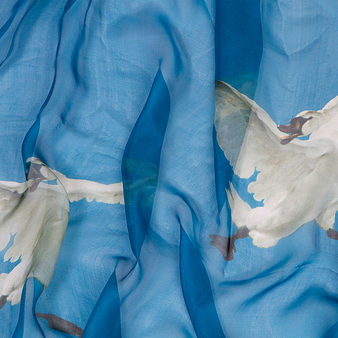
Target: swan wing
[[322, 122], [38, 220], [251, 142], [11, 193], [110, 194], [78, 189]]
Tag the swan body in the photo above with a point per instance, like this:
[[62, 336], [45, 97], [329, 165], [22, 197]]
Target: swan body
[[36, 213], [297, 180]]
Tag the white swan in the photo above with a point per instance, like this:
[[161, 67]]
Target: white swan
[[297, 179], [36, 214]]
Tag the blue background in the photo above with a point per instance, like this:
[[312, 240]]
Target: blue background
[[85, 70]]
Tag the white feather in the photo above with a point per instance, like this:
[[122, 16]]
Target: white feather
[[297, 182], [38, 220]]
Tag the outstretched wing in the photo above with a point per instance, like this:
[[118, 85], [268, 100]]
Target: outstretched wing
[[37, 218], [79, 189], [251, 141], [11, 194]]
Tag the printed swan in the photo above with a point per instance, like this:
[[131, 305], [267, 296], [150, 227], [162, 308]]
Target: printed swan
[[36, 214], [297, 180]]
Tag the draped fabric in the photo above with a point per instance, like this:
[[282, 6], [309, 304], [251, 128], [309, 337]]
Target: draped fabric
[[138, 199]]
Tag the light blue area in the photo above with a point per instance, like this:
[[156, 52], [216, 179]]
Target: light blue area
[[27, 324], [95, 240], [288, 290], [298, 70], [50, 333], [105, 64]]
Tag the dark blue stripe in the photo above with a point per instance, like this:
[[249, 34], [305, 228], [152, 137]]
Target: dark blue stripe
[[104, 321], [141, 161], [332, 332], [27, 324], [197, 291]]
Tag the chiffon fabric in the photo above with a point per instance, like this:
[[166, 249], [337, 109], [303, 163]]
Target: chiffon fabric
[[103, 98]]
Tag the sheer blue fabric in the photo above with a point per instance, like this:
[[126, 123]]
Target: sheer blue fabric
[[119, 202]]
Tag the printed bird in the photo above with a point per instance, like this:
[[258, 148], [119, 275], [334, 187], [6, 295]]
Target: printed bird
[[35, 213], [297, 180]]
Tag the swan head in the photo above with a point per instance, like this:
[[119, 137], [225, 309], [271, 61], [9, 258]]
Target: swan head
[[297, 127], [37, 171], [312, 122]]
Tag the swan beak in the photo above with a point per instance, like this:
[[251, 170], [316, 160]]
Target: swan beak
[[287, 139], [294, 129], [34, 184]]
